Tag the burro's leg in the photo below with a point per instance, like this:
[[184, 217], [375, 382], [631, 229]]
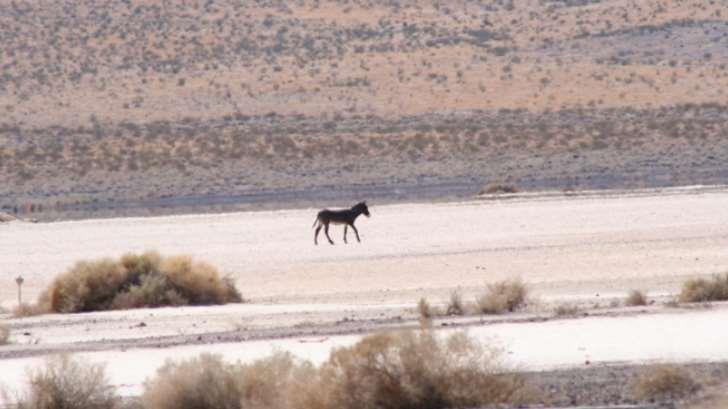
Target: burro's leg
[[315, 236], [357, 233], [345, 226], [326, 230]]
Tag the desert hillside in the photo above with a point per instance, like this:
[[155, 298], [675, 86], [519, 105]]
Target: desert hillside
[[122, 106]]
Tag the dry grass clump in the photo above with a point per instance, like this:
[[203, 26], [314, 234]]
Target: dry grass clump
[[426, 312], [498, 188], [503, 296], [277, 382], [636, 298], [28, 310], [393, 370], [702, 290], [413, 370], [134, 281], [69, 384], [664, 383], [202, 382], [455, 306], [207, 382], [4, 334], [566, 310]]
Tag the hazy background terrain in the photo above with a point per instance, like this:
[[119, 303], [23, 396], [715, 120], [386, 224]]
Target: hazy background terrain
[[118, 107]]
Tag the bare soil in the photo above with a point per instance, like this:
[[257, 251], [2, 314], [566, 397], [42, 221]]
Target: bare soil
[[586, 251], [118, 108]]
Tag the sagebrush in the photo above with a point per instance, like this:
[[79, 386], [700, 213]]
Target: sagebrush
[[703, 290], [455, 306], [636, 298], [413, 369], [68, 383], [664, 383], [4, 334], [138, 280], [503, 296]]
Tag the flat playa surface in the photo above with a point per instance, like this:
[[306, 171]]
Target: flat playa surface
[[588, 250], [569, 246]]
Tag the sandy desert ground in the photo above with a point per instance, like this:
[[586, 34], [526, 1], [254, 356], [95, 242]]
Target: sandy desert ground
[[588, 250]]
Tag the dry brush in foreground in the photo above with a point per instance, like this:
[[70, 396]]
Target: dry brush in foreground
[[69, 384], [664, 383], [392, 370]]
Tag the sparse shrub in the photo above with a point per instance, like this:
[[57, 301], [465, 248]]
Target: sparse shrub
[[702, 290], [42, 306], [636, 298], [503, 296], [27, 310], [455, 306], [566, 310], [412, 370], [497, 188], [664, 383], [4, 334], [146, 280], [205, 382], [276, 382], [426, 313], [70, 384]]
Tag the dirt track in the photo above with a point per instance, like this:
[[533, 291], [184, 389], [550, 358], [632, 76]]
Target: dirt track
[[561, 246]]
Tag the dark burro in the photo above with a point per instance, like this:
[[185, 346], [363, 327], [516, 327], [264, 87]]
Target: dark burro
[[347, 217]]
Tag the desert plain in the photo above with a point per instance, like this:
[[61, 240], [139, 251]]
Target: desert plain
[[582, 250]]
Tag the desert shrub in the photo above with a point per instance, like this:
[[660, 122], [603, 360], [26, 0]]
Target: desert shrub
[[423, 307], [565, 310], [503, 296], [207, 382], [455, 306], [498, 188], [412, 370], [198, 383], [664, 382], [426, 312], [702, 290], [636, 298], [4, 334], [275, 382], [69, 384], [41, 306], [146, 280]]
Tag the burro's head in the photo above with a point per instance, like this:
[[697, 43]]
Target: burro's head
[[362, 207]]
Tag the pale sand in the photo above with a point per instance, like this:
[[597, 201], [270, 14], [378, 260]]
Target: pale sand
[[585, 249], [559, 246]]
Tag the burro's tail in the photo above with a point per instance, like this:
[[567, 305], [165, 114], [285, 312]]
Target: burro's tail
[[314, 222]]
